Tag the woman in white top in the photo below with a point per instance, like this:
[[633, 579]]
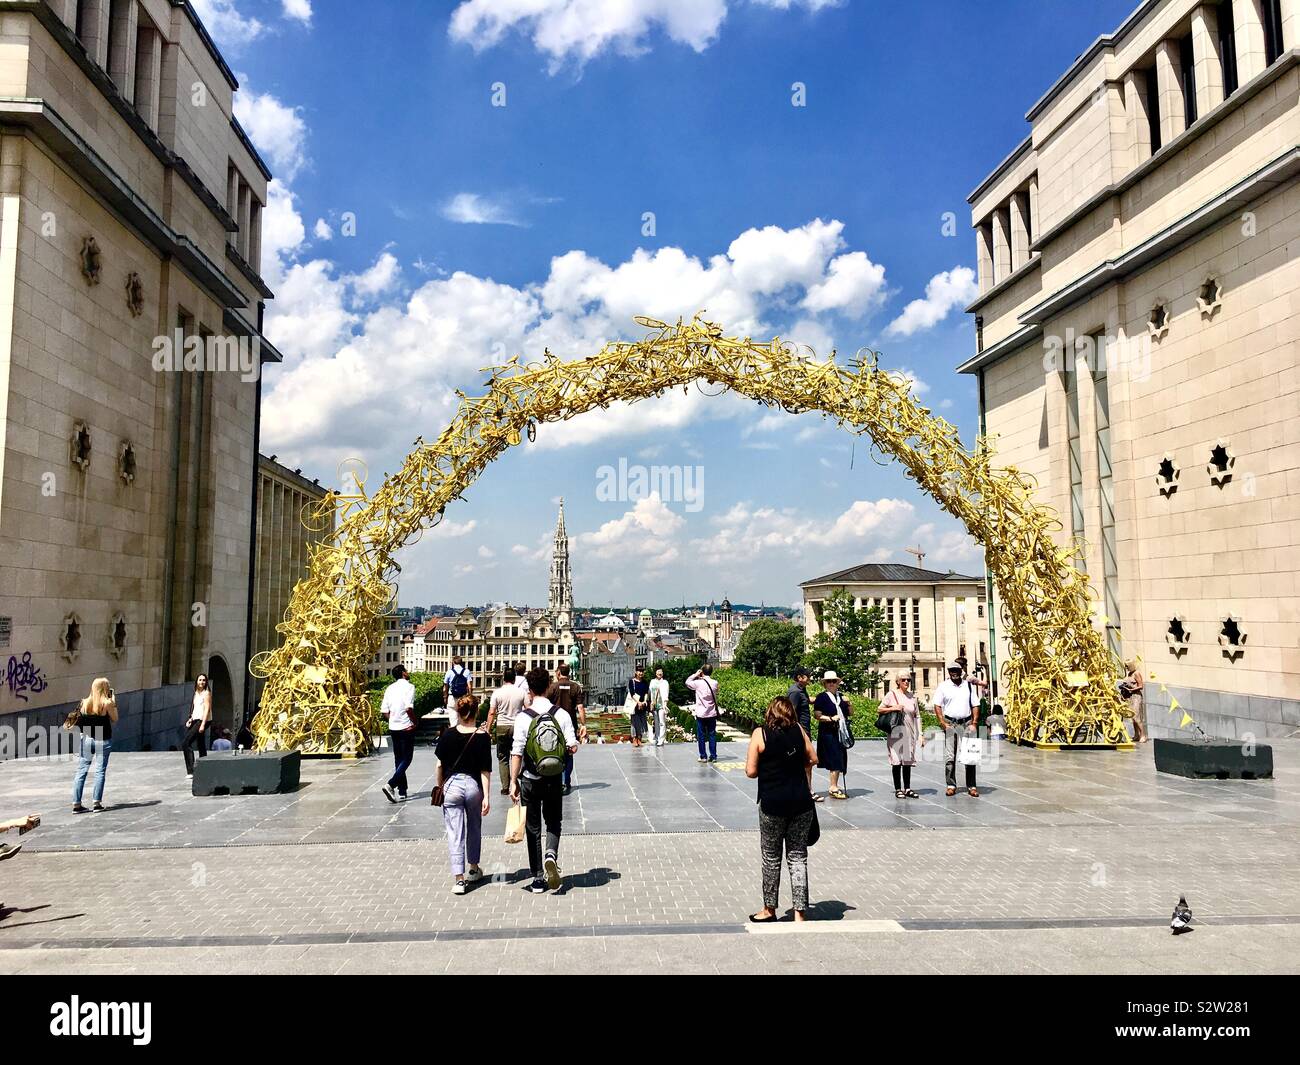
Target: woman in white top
[[197, 723], [659, 707]]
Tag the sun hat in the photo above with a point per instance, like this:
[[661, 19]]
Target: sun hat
[[830, 675]]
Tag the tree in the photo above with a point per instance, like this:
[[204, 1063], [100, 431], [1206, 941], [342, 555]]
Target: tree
[[676, 670], [770, 648], [852, 642]]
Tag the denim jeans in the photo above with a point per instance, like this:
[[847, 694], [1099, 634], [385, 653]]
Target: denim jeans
[[91, 749], [403, 756], [706, 728]]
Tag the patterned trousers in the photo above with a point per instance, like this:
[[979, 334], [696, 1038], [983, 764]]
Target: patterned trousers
[[790, 834]]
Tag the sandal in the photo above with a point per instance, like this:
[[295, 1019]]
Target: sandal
[[910, 794], [819, 798], [837, 794], [973, 793], [951, 791], [900, 794]]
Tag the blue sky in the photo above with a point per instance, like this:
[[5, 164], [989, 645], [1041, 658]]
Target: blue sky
[[483, 230]]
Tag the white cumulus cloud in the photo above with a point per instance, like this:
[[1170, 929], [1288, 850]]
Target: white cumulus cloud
[[298, 9], [228, 26], [581, 29], [278, 130], [946, 291]]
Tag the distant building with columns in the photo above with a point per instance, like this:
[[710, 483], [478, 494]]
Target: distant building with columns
[[935, 617]]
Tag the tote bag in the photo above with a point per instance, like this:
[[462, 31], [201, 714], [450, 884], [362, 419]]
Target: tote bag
[[969, 750]]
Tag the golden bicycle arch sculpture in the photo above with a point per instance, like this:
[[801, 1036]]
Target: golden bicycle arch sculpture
[[1060, 677]]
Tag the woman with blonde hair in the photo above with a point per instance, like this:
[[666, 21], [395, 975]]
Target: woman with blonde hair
[[779, 756], [1133, 689], [95, 718]]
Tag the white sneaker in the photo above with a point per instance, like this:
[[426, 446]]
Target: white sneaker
[[459, 889], [474, 875]]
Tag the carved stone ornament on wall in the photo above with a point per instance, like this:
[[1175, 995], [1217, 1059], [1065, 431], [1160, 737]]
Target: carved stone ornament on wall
[[79, 446], [70, 638], [92, 261], [117, 634], [126, 462], [135, 294]]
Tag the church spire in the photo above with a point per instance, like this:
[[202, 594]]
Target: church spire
[[560, 600]]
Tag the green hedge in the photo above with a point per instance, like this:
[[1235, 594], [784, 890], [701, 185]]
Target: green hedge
[[428, 697], [745, 696]]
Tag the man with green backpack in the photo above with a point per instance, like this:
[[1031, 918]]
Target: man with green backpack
[[544, 737]]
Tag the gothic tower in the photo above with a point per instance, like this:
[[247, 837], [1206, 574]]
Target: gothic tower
[[560, 601]]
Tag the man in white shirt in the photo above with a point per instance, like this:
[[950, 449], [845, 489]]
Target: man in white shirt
[[399, 707], [541, 794], [956, 704], [658, 707], [506, 703], [521, 674]]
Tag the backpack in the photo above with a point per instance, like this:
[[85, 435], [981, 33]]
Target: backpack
[[545, 749], [459, 685]]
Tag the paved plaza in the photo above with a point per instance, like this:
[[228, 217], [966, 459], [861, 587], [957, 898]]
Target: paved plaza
[[1069, 862]]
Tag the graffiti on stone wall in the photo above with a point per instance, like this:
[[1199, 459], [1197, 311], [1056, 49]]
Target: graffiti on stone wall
[[22, 676]]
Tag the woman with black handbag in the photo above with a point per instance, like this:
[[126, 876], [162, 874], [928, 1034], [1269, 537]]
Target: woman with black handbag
[[834, 738], [464, 776], [779, 754], [900, 721]]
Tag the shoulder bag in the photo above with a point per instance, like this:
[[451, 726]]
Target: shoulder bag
[[889, 719]]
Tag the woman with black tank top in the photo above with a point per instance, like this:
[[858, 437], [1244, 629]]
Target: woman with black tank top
[[779, 756], [95, 718]]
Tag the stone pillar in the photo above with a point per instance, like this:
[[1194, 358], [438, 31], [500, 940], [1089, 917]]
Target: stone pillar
[[1248, 17], [1032, 196], [245, 219], [1001, 245], [1139, 121], [66, 12], [255, 238], [1209, 64], [123, 26], [1173, 118], [148, 74], [232, 201], [1019, 210], [94, 30], [1290, 24], [984, 255]]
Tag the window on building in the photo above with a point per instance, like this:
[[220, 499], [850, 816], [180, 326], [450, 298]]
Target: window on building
[[1152, 87], [1273, 43], [1187, 76], [1227, 47], [925, 677]]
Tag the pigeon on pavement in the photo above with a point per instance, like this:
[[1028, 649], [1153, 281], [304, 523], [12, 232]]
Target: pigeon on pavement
[[1182, 919]]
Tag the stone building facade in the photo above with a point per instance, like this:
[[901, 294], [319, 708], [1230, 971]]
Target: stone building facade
[[285, 535], [1137, 344], [935, 617], [129, 210]]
